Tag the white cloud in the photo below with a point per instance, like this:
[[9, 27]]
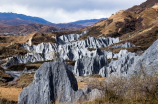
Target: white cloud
[[59, 11]]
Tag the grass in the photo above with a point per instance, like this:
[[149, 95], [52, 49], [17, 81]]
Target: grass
[[10, 94], [136, 90], [29, 66], [43, 37], [12, 50]]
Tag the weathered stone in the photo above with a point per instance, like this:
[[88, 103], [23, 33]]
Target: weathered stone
[[89, 65], [52, 82]]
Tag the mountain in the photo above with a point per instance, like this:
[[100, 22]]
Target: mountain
[[20, 19], [138, 26], [87, 22]]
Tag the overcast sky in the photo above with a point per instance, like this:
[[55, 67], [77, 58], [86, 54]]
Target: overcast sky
[[63, 11]]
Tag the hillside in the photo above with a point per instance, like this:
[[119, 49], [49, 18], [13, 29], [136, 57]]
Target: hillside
[[130, 25], [8, 30], [22, 19]]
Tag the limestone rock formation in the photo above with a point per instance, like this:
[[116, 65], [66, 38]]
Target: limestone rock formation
[[52, 82], [126, 45], [29, 57], [89, 65], [69, 38], [147, 62]]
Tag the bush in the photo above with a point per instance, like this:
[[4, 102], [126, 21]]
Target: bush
[[139, 88]]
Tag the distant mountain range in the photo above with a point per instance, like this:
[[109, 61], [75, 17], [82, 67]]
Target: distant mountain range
[[20, 19], [87, 22]]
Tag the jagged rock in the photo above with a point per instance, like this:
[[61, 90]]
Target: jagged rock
[[89, 65], [42, 47], [104, 72], [74, 54], [120, 67], [69, 38], [52, 82], [29, 57], [147, 62], [126, 45], [69, 51]]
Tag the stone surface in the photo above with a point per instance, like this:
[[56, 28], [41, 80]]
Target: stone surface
[[148, 61], [126, 45], [69, 38], [29, 57], [89, 65], [52, 82]]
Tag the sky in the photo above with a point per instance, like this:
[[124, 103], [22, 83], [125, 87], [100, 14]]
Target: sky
[[64, 11]]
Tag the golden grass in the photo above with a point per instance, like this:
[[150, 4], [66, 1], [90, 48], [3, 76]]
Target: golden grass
[[10, 93], [81, 85]]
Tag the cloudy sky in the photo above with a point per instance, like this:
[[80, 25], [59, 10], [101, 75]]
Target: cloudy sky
[[63, 11]]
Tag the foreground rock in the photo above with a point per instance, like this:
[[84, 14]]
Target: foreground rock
[[148, 61], [53, 82]]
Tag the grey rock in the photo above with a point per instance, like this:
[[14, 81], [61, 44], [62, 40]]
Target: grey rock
[[29, 57], [95, 94], [147, 62], [126, 45], [89, 65], [52, 82], [69, 38], [41, 48], [120, 67]]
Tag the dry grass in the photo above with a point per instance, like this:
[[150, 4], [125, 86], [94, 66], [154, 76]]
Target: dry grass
[[83, 81], [10, 93], [81, 85], [139, 89]]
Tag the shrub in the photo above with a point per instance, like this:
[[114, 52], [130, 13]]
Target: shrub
[[138, 88]]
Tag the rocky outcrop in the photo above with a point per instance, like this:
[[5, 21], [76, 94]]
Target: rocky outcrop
[[89, 65], [42, 47], [79, 49], [54, 82], [147, 62], [126, 45], [69, 38], [29, 57], [122, 66], [130, 64]]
